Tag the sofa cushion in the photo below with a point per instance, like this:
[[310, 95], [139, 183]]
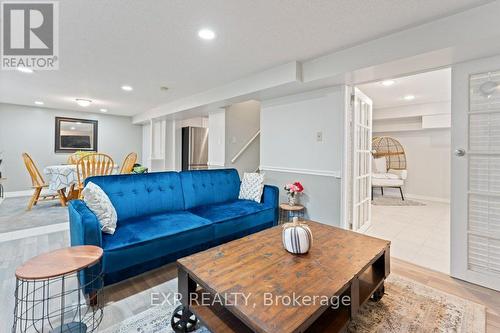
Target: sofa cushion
[[142, 194], [206, 187], [236, 218], [148, 237]]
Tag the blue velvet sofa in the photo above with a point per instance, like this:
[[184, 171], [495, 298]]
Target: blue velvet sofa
[[167, 215]]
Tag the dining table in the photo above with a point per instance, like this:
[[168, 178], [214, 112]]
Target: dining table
[[63, 179]]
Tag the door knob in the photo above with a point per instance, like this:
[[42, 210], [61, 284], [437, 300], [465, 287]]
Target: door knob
[[459, 152]]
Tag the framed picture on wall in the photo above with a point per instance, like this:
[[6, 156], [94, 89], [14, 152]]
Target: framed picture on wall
[[72, 135]]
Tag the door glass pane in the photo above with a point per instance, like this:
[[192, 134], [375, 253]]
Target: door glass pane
[[483, 248]]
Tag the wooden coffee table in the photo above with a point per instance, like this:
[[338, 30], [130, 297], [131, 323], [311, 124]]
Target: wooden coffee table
[[250, 280]]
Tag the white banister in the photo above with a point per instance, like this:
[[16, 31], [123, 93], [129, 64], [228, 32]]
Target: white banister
[[252, 139]]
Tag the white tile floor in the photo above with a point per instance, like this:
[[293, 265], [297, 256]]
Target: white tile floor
[[418, 234]]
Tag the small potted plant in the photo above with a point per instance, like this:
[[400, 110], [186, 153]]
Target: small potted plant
[[292, 191]]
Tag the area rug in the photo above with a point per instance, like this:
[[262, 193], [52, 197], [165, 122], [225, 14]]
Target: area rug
[[394, 201], [407, 307]]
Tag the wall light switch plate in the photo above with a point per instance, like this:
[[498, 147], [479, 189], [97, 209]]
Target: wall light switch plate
[[319, 136]]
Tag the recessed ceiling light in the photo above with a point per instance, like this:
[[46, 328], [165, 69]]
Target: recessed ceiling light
[[38, 102], [206, 34], [25, 70], [409, 97], [388, 83], [83, 102], [103, 110], [127, 88], [73, 128]]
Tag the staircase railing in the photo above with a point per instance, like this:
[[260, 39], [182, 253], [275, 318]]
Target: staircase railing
[[245, 147]]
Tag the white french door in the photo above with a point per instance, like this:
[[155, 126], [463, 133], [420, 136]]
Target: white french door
[[475, 202], [361, 133]]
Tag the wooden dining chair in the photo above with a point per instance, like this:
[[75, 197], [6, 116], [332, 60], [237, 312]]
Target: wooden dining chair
[[93, 165], [37, 182], [73, 158], [128, 163]]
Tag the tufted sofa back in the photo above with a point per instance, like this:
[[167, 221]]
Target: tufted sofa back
[[142, 194], [205, 187]]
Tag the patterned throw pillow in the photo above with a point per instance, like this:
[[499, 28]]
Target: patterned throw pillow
[[252, 186], [99, 203]]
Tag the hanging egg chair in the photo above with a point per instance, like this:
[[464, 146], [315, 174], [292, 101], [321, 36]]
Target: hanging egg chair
[[392, 150]]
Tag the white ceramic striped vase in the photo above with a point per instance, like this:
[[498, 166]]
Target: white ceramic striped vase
[[297, 237]]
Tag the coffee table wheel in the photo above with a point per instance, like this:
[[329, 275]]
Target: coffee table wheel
[[183, 323], [379, 293]]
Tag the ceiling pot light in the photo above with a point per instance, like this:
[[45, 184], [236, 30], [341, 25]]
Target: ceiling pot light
[[103, 110], [83, 102], [409, 97], [25, 70], [38, 102], [206, 34], [127, 88], [388, 83], [72, 128]]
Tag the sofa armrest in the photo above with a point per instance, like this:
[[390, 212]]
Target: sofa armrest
[[83, 225], [270, 197], [403, 174]]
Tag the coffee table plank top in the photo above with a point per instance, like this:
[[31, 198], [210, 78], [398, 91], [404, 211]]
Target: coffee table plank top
[[259, 266], [59, 262]]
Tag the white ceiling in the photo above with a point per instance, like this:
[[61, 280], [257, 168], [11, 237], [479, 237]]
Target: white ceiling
[[147, 44], [427, 87]]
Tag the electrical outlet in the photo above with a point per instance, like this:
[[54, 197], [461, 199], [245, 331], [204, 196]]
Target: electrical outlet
[[319, 136]]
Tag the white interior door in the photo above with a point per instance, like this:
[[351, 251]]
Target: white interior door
[[475, 204], [361, 160]]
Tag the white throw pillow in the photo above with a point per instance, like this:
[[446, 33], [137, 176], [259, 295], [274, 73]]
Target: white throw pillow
[[252, 186], [379, 165], [99, 203]]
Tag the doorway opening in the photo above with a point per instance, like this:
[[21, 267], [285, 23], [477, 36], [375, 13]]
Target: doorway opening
[[410, 166]]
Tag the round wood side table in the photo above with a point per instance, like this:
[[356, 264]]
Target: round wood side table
[[288, 212], [51, 292]]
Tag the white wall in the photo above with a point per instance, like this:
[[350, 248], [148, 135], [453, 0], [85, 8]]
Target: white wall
[[217, 138], [146, 145], [31, 130], [428, 157], [290, 150], [424, 132], [242, 122]]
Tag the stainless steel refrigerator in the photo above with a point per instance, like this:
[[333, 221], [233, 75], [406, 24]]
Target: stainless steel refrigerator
[[194, 148]]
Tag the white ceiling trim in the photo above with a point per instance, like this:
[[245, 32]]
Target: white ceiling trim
[[272, 78], [442, 42]]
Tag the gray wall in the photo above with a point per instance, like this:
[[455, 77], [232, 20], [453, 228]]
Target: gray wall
[[291, 150], [242, 122], [31, 130], [321, 197]]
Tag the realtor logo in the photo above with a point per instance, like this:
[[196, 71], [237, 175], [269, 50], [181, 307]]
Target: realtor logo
[[30, 35]]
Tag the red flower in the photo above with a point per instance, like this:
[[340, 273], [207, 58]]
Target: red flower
[[299, 186]]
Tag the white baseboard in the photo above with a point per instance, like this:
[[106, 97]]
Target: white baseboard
[[13, 194], [427, 198]]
